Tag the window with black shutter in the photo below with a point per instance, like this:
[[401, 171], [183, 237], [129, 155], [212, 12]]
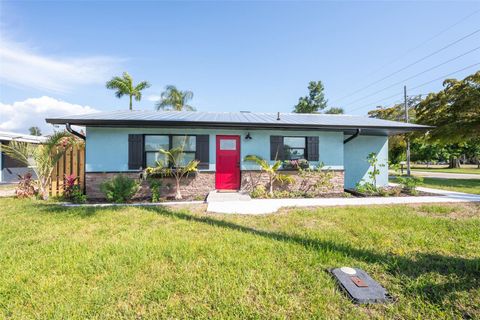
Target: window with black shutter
[[294, 148], [195, 147]]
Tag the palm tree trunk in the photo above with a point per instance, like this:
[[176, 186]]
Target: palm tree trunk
[[178, 195], [130, 102]]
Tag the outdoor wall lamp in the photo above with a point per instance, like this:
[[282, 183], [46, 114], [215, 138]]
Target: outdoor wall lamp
[[248, 136]]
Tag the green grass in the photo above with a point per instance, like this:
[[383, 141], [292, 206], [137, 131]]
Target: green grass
[[125, 262], [460, 185], [470, 169]]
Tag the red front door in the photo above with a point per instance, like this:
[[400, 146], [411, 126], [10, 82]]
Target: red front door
[[227, 175]]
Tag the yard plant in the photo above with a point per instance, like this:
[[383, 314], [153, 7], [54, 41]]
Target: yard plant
[[177, 263], [119, 189], [271, 171], [42, 158]]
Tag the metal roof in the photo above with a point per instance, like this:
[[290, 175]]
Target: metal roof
[[240, 120], [9, 136]]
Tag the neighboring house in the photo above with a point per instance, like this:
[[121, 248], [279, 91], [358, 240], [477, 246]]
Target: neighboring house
[[128, 141], [11, 168]]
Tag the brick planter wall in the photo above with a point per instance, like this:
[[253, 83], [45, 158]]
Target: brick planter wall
[[196, 186], [200, 184], [252, 178]]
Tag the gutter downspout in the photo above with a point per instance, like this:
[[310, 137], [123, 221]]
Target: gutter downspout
[[75, 133], [356, 134]]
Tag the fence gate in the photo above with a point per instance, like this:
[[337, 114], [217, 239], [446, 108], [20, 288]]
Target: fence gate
[[72, 162]]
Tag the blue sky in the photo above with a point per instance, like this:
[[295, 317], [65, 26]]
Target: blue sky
[[256, 56]]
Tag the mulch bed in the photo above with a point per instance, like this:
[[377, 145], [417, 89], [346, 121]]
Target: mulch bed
[[355, 193]]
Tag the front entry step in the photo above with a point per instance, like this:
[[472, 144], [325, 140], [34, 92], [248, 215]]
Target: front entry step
[[215, 196]]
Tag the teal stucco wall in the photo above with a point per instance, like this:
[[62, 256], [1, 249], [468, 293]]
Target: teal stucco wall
[[355, 159], [107, 148]]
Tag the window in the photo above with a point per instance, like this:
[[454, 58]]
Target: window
[[152, 146], [295, 148], [228, 144], [189, 146], [153, 143]]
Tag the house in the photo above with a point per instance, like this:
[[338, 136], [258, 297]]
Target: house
[[128, 141], [11, 168]]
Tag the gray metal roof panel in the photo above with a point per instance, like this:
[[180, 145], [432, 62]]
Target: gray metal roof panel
[[234, 118]]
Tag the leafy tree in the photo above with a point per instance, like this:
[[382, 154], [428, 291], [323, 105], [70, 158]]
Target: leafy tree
[[334, 110], [174, 99], [124, 86], [42, 158], [271, 170], [35, 131], [396, 144], [314, 102], [454, 111]]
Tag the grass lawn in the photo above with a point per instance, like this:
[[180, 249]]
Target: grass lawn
[[459, 185], [471, 169], [121, 262]]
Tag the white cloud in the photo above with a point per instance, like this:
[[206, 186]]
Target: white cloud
[[154, 98], [21, 66], [22, 115]]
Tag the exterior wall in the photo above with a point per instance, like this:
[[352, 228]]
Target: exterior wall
[[195, 187], [252, 178], [198, 186], [355, 159], [107, 148]]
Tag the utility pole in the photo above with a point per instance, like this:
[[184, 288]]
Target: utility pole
[[406, 120]]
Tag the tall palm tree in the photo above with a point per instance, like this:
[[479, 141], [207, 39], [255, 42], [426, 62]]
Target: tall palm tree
[[124, 86], [174, 99]]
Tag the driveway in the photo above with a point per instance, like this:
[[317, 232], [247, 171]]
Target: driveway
[[444, 175]]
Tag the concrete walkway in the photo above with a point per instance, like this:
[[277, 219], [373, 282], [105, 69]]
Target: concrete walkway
[[445, 175], [262, 206]]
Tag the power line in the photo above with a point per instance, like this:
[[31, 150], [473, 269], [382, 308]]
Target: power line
[[416, 87], [412, 64], [414, 76], [426, 41]]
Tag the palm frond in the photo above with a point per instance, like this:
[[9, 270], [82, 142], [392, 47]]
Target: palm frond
[[20, 151], [142, 85]]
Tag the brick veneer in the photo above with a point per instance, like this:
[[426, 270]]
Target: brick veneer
[[253, 178], [200, 184]]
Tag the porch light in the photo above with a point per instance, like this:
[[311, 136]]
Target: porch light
[[248, 136]]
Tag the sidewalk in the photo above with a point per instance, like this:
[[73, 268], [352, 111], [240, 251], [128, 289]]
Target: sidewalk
[[262, 206]]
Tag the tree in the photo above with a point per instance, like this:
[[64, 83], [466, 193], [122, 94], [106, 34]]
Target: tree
[[314, 102], [177, 169], [454, 111], [124, 86], [174, 99], [396, 144], [41, 158], [334, 110], [35, 131], [271, 170]]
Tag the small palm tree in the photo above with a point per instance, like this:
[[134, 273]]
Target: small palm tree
[[177, 170], [174, 99], [271, 170], [41, 158], [124, 86]]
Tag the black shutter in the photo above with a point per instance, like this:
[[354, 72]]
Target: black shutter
[[312, 148], [135, 151], [203, 151], [276, 148]]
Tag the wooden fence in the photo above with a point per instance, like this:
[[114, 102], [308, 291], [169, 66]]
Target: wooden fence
[[72, 162]]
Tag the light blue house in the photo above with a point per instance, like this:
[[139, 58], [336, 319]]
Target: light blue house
[[128, 141]]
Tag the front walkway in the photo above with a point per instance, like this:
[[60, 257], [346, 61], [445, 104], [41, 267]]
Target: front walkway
[[262, 206]]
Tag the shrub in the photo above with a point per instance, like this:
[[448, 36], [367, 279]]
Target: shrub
[[259, 192], [26, 186], [119, 189], [155, 189], [72, 191], [366, 188], [409, 184]]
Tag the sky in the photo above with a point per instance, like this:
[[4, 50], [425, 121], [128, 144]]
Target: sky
[[55, 57]]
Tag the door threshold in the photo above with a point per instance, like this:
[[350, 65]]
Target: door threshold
[[226, 191]]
